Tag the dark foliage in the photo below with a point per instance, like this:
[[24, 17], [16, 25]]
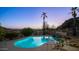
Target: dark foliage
[[11, 35], [27, 31]]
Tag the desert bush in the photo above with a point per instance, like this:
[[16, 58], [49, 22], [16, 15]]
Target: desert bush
[[27, 31], [2, 34], [11, 35]]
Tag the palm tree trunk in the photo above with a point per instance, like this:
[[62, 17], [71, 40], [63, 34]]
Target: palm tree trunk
[[43, 26], [74, 27]]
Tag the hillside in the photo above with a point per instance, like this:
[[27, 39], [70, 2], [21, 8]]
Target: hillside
[[69, 24]]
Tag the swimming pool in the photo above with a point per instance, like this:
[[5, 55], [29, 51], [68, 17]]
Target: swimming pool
[[33, 41]]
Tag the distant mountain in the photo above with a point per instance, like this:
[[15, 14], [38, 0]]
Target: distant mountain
[[68, 24], [2, 27], [9, 29]]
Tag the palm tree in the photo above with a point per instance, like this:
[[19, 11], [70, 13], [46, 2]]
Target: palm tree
[[0, 24], [74, 14], [44, 16]]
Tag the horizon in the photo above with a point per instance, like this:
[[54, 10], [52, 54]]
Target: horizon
[[24, 17]]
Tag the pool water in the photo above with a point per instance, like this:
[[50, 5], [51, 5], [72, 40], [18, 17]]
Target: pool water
[[32, 41]]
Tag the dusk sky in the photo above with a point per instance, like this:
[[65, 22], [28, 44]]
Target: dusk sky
[[21, 17]]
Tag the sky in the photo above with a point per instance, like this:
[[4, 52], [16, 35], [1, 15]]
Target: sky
[[23, 17]]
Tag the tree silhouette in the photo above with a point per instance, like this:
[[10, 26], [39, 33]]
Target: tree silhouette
[[74, 14], [0, 24], [44, 16]]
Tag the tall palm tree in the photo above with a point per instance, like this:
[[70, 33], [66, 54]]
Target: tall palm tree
[[44, 16], [74, 14], [0, 24]]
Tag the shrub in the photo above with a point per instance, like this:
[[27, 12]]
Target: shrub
[[27, 31], [11, 35], [2, 34]]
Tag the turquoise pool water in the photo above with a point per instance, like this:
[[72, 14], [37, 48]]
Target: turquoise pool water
[[33, 41]]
